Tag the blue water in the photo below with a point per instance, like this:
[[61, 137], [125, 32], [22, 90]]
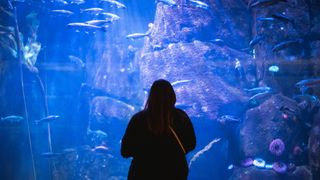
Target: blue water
[[91, 80]]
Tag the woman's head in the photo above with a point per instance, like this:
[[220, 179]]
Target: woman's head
[[161, 94], [160, 106]]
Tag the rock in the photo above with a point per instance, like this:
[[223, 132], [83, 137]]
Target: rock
[[206, 94], [314, 150], [227, 20], [301, 173], [279, 31], [265, 123], [110, 108], [253, 173]]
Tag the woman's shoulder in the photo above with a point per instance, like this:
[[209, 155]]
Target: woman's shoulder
[[181, 113], [139, 115]]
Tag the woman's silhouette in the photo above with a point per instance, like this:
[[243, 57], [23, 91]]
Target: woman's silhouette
[[159, 137]]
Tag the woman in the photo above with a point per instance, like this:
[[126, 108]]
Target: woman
[[159, 137]]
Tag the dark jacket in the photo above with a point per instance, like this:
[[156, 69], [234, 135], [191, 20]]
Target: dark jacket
[[158, 157]]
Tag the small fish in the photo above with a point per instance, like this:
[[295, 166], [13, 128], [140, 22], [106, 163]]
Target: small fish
[[85, 26], [228, 119], [256, 40], [199, 4], [266, 19], [95, 11], [180, 82], [97, 133], [12, 118], [62, 12], [51, 155], [114, 3], [137, 35], [167, 2], [101, 149], [306, 97], [283, 18], [265, 3], [258, 90], [8, 13], [59, 2], [230, 167], [77, 61], [77, 2], [273, 68], [254, 100], [218, 41], [113, 17], [48, 119], [99, 22], [315, 82], [285, 44]]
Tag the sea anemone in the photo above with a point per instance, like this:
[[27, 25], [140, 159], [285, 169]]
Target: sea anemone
[[277, 147], [279, 167], [247, 162], [297, 150], [258, 162]]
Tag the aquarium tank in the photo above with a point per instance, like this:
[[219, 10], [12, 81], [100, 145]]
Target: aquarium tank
[[73, 72]]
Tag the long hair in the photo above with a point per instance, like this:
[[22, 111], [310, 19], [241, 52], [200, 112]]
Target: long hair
[[160, 107]]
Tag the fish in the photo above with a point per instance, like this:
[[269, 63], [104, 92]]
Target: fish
[[77, 61], [167, 2], [47, 119], [256, 40], [314, 82], [137, 35], [273, 68], [113, 17], [265, 3], [97, 133], [99, 22], [285, 44], [62, 12], [51, 155], [306, 97], [199, 4], [95, 11], [180, 82], [228, 119], [59, 2], [266, 19], [12, 118], [305, 84], [85, 26], [254, 100], [283, 18], [77, 2], [117, 4], [6, 12], [101, 149], [218, 41]]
